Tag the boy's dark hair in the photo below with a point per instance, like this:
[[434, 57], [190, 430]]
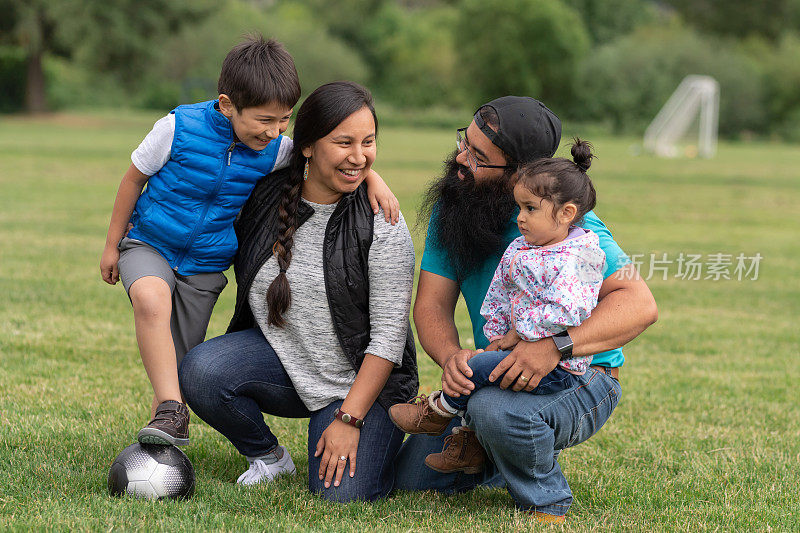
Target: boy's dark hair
[[258, 72], [321, 112], [560, 180]]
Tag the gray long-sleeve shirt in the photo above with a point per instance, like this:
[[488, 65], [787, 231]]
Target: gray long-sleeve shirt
[[307, 345]]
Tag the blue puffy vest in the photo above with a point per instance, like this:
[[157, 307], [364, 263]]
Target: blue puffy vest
[[187, 210]]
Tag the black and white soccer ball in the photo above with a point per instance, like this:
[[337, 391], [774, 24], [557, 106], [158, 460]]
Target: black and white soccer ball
[[151, 471]]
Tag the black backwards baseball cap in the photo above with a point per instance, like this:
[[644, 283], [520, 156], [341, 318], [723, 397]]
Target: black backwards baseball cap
[[527, 129]]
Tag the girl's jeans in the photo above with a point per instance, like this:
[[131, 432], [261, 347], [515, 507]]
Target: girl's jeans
[[523, 434], [482, 365], [230, 380]]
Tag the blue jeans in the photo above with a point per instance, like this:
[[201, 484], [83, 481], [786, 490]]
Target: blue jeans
[[523, 435], [482, 365], [230, 380]]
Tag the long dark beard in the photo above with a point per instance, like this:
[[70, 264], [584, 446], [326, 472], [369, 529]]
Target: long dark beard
[[471, 217]]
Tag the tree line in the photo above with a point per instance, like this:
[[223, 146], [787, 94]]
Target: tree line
[[613, 62]]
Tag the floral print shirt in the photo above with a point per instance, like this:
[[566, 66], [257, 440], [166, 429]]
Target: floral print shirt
[[541, 290]]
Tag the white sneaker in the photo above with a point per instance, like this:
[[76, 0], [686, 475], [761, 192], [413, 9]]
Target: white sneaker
[[260, 472]]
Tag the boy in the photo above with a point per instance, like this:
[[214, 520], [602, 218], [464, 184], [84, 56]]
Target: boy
[[200, 164]]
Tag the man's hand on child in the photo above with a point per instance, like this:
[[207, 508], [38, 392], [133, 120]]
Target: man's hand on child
[[529, 360], [380, 196], [456, 373]]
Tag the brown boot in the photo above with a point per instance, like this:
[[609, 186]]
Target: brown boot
[[170, 425], [461, 453], [421, 415]]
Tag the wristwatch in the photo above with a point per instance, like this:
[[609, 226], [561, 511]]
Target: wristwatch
[[348, 419], [563, 344]]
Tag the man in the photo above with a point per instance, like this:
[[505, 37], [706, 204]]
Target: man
[[472, 220]]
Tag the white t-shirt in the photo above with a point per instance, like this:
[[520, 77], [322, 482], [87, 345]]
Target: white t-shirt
[[154, 150]]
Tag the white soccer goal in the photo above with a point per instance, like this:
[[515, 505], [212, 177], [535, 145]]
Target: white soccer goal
[[695, 94]]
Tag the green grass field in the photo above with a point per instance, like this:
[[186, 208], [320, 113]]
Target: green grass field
[[706, 436]]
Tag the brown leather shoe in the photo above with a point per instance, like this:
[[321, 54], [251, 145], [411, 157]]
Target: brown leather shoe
[[170, 425], [461, 453], [420, 415]]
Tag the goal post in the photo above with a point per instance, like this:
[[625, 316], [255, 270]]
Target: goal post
[[695, 95]]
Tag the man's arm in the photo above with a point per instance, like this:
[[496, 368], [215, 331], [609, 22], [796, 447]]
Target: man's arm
[[434, 317], [626, 308]]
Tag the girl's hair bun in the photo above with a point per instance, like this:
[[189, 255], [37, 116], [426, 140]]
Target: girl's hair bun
[[582, 154]]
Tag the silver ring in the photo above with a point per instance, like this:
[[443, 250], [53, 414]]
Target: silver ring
[[343, 458], [523, 378]]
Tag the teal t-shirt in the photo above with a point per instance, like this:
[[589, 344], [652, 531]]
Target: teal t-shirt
[[474, 286]]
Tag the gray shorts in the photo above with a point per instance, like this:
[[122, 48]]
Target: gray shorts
[[193, 297]]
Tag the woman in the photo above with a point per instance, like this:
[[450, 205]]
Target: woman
[[320, 328]]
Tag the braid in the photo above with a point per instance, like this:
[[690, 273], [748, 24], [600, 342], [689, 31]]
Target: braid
[[279, 295]]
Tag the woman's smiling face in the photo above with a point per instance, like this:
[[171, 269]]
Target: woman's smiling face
[[339, 162]]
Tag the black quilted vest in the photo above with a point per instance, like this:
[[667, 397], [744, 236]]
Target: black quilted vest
[[348, 238]]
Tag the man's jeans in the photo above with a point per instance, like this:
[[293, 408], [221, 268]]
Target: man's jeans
[[482, 365], [523, 434], [230, 380]]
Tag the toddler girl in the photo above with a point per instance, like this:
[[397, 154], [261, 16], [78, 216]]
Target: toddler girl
[[548, 280]]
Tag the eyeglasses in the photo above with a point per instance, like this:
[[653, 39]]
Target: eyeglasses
[[461, 140]]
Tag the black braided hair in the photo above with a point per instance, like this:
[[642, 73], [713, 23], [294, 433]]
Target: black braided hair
[[279, 295]]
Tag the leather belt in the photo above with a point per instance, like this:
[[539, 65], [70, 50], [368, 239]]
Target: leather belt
[[610, 371]]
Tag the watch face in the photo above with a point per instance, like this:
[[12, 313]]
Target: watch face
[[563, 343]]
